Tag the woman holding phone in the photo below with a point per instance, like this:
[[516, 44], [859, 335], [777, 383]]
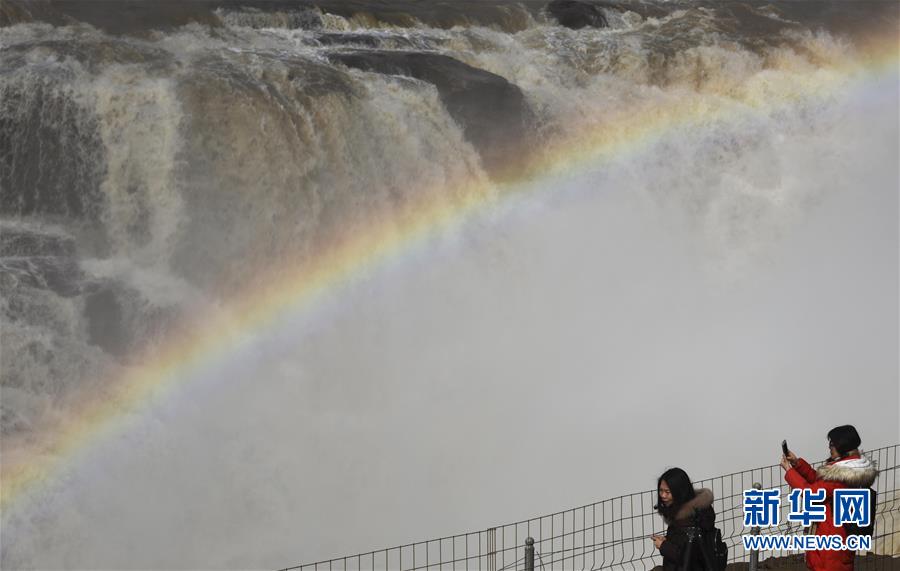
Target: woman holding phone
[[844, 468], [681, 507]]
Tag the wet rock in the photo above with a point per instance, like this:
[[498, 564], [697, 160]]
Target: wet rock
[[507, 16], [59, 275], [577, 14], [31, 257], [289, 18], [24, 242], [96, 55], [122, 17], [12, 12], [331, 39], [122, 321], [380, 40], [105, 320], [492, 112]]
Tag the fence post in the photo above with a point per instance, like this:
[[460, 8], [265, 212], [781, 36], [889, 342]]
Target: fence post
[[529, 554], [492, 549], [754, 555]]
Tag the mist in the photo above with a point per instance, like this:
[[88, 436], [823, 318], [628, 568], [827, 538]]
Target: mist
[[690, 303]]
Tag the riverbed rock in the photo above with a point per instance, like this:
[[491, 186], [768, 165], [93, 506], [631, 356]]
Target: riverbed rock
[[577, 14], [492, 112]]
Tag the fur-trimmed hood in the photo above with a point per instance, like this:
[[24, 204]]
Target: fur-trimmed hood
[[702, 500], [854, 472]]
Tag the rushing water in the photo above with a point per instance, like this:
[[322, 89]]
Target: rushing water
[[685, 249]]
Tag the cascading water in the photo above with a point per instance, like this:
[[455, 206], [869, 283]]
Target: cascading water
[[640, 233]]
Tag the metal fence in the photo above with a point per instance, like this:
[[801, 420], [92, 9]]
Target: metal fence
[[615, 533]]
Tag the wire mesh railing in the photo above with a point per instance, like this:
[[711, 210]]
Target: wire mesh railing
[[615, 533]]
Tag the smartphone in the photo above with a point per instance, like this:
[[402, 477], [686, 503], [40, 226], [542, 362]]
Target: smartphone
[[784, 447]]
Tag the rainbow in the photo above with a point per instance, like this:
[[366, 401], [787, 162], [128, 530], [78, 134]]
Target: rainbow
[[28, 468]]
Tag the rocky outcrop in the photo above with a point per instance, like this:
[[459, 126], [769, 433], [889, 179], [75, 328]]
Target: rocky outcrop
[[32, 258], [360, 39], [105, 322], [577, 14], [492, 112], [62, 276], [23, 242], [352, 39], [507, 16], [121, 17], [40, 272], [136, 17], [12, 12], [291, 18], [120, 319]]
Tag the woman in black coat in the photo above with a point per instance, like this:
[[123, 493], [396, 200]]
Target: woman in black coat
[[682, 506]]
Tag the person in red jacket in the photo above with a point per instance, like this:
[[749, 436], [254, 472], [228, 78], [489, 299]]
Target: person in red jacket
[[845, 468]]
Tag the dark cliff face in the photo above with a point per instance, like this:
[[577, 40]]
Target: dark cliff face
[[748, 18], [492, 112]]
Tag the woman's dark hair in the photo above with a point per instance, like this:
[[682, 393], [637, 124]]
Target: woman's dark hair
[[844, 439], [682, 491]]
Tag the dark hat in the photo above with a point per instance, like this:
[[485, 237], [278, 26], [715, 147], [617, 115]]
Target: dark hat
[[844, 438]]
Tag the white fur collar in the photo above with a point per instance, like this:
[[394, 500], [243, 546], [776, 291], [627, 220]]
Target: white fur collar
[[855, 472]]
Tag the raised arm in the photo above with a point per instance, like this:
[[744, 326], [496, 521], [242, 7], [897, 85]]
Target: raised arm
[[800, 475]]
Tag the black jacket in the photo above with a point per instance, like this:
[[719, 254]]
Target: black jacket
[[698, 511]]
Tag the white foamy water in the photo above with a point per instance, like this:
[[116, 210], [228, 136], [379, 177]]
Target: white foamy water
[[690, 299], [618, 320]]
